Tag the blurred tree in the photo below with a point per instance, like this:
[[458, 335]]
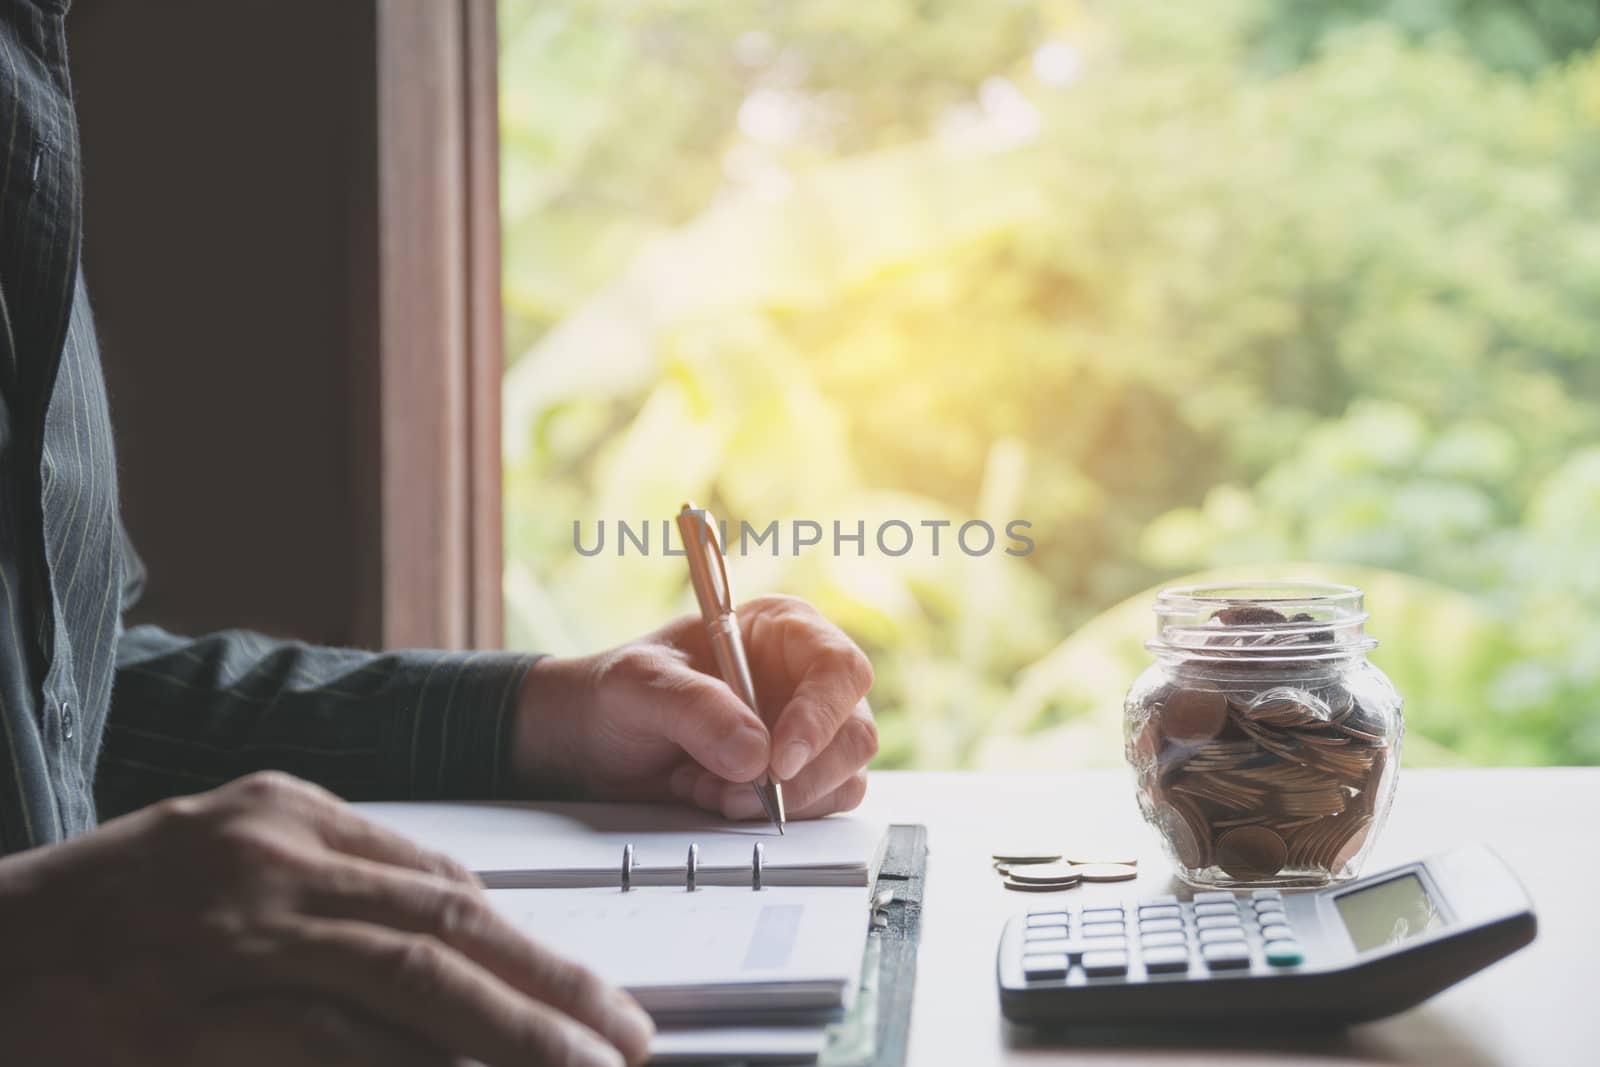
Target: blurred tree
[[1517, 35], [1188, 286]]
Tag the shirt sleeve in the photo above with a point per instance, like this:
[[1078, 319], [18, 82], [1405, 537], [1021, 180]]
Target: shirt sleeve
[[188, 714]]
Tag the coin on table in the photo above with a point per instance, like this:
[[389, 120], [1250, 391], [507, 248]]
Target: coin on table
[[1106, 856], [1037, 873], [1025, 857], [1107, 872], [1040, 887], [1251, 852]]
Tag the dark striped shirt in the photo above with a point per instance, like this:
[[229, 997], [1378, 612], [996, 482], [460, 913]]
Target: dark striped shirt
[[95, 720]]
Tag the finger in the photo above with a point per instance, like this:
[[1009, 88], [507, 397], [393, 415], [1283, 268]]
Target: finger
[[416, 981], [851, 749], [338, 826], [702, 716], [682, 780], [273, 1029], [832, 676], [464, 921], [736, 801], [847, 797], [693, 784], [342, 829]]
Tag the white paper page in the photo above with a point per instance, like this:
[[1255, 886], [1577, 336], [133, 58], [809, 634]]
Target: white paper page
[[714, 950], [492, 837], [746, 1044]]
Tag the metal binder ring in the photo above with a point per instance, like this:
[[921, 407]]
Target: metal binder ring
[[627, 867], [691, 869], [755, 866]]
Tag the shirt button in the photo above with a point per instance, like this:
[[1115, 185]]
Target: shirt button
[[66, 720]]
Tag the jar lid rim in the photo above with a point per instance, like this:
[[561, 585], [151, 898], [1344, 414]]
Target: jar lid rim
[[1259, 592], [1287, 655]]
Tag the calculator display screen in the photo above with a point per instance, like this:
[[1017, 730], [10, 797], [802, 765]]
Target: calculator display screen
[[1388, 913]]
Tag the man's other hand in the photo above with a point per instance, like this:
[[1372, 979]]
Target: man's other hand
[[652, 720], [265, 923]]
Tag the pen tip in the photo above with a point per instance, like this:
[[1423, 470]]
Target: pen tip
[[780, 829]]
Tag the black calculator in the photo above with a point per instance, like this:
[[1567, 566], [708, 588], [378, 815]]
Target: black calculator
[[1341, 955]]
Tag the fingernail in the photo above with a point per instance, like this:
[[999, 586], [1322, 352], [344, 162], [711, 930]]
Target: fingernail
[[630, 1028], [795, 755], [743, 752]]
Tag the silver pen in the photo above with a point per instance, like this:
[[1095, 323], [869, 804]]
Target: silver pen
[[708, 574]]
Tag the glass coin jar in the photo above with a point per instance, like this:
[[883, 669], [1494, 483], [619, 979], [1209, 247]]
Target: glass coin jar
[[1264, 743]]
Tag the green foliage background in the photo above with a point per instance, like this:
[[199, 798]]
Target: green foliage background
[[1233, 287]]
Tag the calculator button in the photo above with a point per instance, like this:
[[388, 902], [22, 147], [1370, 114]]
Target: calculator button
[[1267, 907], [1276, 932], [1072, 947], [1158, 926], [1218, 922], [1230, 954], [1039, 968], [1163, 939], [1228, 933], [1098, 964], [1047, 918], [1102, 915], [1284, 954], [1215, 909], [1166, 958], [1162, 898], [1267, 894], [1103, 930], [1044, 933], [1103, 944], [1160, 911], [1213, 898]]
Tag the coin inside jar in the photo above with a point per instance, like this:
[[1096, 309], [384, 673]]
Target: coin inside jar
[[1249, 615], [1195, 713], [1351, 845], [1251, 852], [1183, 834]]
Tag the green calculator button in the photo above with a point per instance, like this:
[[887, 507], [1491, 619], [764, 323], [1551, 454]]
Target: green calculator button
[[1284, 954]]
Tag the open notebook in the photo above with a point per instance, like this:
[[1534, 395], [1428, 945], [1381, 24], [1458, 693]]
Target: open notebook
[[552, 846], [723, 952]]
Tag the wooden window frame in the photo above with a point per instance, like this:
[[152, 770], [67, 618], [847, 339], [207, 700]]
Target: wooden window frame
[[428, 360]]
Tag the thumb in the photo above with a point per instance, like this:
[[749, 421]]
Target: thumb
[[719, 731]]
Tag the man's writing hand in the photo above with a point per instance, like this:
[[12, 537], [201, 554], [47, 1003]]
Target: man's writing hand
[[264, 922], [652, 720]]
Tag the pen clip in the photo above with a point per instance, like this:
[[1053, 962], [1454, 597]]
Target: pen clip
[[710, 549]]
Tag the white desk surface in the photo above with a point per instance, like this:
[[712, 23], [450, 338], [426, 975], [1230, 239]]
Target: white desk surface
[[1540, 1006]]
